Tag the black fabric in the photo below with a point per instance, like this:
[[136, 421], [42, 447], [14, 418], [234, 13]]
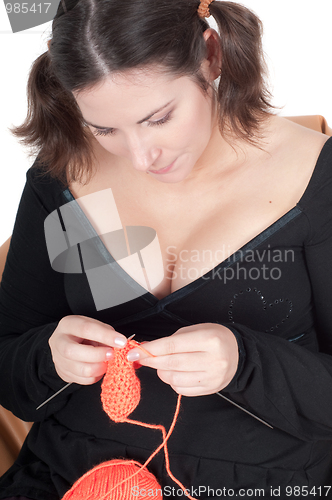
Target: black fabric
[[17, 498], [274, 294]]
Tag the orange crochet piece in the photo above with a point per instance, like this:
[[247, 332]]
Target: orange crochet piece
[[121, 479], [121, 388]]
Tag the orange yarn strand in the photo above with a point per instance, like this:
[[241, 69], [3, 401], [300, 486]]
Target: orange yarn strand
[[146, 352], [162, 445], [120, 396]]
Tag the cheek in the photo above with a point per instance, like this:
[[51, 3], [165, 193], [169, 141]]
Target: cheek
[[111, 144], [196, 129]]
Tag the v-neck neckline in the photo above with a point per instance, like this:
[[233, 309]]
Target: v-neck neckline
[[205, 278]]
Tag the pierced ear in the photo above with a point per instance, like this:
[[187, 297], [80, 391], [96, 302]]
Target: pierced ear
[[213, 56]]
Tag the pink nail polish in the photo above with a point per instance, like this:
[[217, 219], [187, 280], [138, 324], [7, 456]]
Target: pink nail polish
[[120, 341], [109, 355], [133, 356]]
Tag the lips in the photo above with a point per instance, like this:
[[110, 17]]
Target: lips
[[163, 170]]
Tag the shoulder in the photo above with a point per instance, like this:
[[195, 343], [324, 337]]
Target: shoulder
[[44, 188], [316, 199], [304, 158], [320, 180], [299, 141]]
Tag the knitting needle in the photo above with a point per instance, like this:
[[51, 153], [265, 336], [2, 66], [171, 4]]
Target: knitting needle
[[238, 406], [67, 385], [243, 409], [49, 399]]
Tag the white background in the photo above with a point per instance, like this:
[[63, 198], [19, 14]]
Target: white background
[[297, 44]]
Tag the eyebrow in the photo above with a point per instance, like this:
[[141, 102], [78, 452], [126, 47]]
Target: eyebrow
[[139, 122]]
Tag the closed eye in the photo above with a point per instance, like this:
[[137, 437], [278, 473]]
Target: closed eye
[[163, 120], [105, 131], [111, 131]]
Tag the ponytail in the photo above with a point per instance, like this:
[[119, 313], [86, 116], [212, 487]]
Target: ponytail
[[242, 96], [53, 128]]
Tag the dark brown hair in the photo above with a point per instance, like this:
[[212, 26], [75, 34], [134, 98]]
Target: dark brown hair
[[94, 38]]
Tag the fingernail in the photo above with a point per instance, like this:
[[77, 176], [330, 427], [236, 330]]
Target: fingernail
[[109, 355], [120, 341], [133, 356]]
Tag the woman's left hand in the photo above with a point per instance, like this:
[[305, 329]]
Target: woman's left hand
[[196, 360]]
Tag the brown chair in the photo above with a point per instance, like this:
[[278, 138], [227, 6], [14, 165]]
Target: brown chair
[[3, 255], [13, 430], [315, 122]]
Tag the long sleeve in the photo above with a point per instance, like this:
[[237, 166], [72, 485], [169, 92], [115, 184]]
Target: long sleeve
[[285, 384], [289, 384], [32, 301]]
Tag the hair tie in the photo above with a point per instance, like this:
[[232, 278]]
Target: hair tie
[[203, 9]]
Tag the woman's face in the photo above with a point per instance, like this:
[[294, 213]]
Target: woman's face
[[160, 123]]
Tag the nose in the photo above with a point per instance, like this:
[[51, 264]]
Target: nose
[[142, 154]]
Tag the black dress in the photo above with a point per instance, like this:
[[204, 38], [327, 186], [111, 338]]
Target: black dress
[[275, 295]]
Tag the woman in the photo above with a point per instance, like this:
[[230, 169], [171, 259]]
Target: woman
[[144, 117]]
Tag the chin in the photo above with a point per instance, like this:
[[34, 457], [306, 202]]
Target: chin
[[180, 173], [172, 177]]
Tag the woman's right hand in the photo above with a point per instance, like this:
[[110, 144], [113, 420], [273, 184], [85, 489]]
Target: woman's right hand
[[81, 347]]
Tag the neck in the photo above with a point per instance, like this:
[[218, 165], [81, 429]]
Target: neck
[[221, 159]]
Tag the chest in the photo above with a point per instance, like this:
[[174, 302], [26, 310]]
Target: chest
[[166, 242], [262, 288], [166, 237]]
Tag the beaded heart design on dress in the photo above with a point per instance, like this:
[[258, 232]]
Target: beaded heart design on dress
[[284, 307]]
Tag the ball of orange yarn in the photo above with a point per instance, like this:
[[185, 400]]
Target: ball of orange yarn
[[112, 481], [121, 388]]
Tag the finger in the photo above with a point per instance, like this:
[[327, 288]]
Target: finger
[[183, 379], [80, 380], [85, 370], [86, 353], [183, 362], [93, 342], [191, 391], [177, 343], [94, 330]]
